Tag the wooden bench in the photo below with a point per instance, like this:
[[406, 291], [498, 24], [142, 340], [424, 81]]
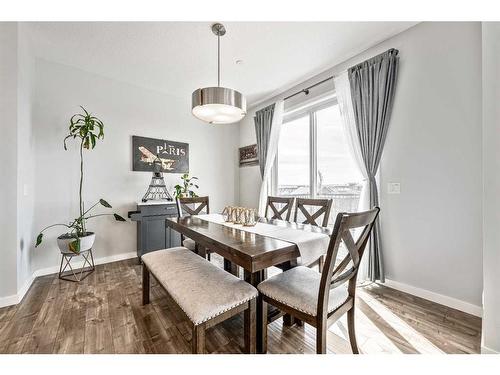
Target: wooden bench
[[205, 293]]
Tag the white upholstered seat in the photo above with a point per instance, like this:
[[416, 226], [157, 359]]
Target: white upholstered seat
[[201, 289], [299, 288], [189, 243]]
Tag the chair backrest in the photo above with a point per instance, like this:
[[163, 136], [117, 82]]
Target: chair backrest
[[334, 275], [282, 213], [324, 207], [192, 206]]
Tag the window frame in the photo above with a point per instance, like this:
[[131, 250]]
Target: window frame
[[306, 111]]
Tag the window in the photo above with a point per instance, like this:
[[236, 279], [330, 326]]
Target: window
[[314, 160], [293, 158]]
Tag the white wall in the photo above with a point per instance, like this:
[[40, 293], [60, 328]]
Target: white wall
[[432, 231], [126, 110], [491, 179], [8, 166], [25, 160]]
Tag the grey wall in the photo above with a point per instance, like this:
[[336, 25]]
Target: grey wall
[[126, 110], [491, 200], [8, 166], [432, 231]]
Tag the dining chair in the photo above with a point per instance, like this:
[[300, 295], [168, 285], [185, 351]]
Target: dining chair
[[320, 207], [320, 299], [193, 206], [279, 212]]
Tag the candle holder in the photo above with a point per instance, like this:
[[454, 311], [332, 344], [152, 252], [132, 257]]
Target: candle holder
[[250, 217], [227, 214], [237, 215]]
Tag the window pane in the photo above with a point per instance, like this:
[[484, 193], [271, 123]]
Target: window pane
[[338, 177], [293, 158]]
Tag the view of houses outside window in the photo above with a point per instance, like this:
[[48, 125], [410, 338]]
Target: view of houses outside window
[[326, 160]]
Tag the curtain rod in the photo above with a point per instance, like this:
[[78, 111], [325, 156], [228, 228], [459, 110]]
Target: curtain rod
[[306, 90]]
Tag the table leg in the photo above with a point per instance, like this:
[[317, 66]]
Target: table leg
[[254, 279]]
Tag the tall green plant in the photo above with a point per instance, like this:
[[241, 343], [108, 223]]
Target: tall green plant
[[87, 129]]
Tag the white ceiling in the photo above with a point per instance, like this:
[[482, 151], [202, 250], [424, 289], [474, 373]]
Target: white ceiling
[[179, 57]]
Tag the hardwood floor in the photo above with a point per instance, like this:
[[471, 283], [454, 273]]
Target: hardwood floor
[[104, 314]]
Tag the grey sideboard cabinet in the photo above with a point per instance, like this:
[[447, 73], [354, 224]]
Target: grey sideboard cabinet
[[152, 232]]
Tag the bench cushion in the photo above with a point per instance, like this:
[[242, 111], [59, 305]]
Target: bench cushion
[[299, 289], [201, 289]]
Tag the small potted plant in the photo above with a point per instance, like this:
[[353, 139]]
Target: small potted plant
[[88, 130], [185, 191]]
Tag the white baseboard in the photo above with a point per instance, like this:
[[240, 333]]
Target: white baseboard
[[9, 300], [436, 297], [486, 350], [103, 260], [22, 292], [16, 298]]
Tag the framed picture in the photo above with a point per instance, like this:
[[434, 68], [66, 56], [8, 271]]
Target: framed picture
[[174, 156], [248, 155]]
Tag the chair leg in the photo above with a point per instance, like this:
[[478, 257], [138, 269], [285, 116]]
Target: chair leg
[[321, 339], [249, 317], [208, 256], [198, 339], [321, 262], [231, 268], [352, 331], [288, 320], [145, 285], [262, 313]]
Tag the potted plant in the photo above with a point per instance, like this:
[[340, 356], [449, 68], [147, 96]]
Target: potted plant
[[88, 130], [185, 191]]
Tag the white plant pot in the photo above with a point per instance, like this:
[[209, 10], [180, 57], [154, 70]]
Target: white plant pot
[[86, 242]]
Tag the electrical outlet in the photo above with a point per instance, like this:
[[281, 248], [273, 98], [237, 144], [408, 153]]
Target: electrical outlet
[[393, 188]]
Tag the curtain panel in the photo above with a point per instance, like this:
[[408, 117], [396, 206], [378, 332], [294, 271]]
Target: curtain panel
[[373, 84], [267, 129], [263, 120], [344, 99]]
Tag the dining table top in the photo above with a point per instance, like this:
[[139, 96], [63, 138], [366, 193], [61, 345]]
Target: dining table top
[[251, 251]]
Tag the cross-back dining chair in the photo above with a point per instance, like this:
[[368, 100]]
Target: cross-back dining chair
[[281, 213], [322, 206], [319, 207], [193, 206], [320, 299]]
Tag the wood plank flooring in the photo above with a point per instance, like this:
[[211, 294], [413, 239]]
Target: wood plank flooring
[[104, 314]]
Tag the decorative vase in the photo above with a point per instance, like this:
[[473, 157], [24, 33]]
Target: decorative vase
[[86, 242]]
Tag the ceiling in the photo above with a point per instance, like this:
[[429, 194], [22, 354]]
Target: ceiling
[[179, 57]]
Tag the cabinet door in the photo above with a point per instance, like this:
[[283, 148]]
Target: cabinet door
[[154, 234], [175, 238]]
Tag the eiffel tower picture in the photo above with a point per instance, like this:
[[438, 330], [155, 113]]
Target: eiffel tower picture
[[157, 189]]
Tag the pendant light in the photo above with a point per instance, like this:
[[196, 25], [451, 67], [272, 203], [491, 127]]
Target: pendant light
[[218, 105]]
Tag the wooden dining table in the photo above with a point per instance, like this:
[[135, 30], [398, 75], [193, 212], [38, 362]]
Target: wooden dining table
[[253, 252]]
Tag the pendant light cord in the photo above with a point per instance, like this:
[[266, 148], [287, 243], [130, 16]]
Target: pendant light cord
[[218, 60]]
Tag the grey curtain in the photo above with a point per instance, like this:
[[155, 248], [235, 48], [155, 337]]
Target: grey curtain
[[373, 83], [263, 120]]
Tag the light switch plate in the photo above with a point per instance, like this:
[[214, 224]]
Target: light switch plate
[[394, 188]]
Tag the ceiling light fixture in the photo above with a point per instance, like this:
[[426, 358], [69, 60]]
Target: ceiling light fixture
[[218, 105]]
